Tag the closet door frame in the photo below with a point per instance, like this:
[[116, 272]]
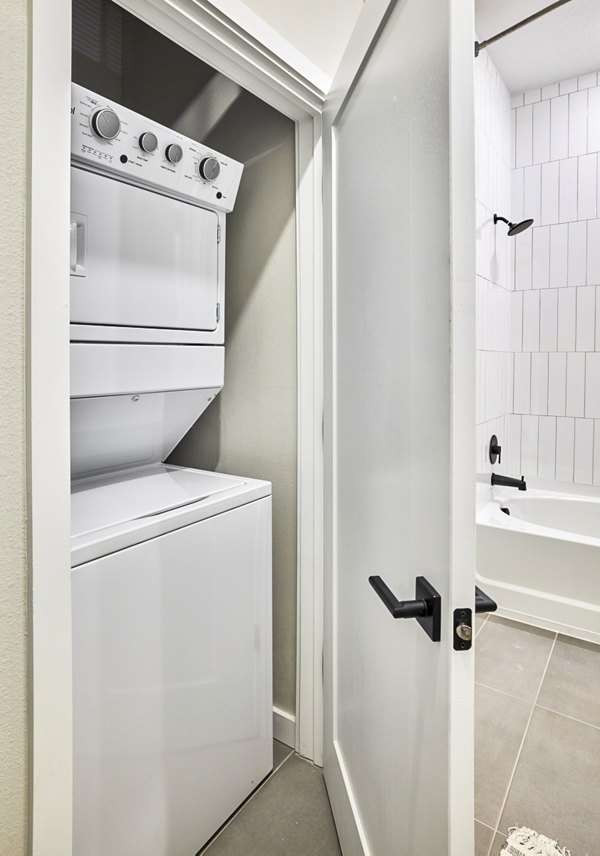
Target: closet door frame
[[246, 50]]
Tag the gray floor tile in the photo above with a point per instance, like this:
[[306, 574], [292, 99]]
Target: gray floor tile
[[483, 837], [289, 816], [280, 753], [572, 682], [500, 723], [512, 657], [479, 622], [499, 841], [556, 786]]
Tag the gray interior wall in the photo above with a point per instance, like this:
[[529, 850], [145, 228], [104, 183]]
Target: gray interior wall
[[14, 110], [250, 429]]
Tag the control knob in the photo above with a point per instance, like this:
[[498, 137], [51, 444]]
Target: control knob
[[174, 153], [105, 123], [148, 141], [209, 168]]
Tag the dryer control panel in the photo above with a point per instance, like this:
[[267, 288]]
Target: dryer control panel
[[107, 137]]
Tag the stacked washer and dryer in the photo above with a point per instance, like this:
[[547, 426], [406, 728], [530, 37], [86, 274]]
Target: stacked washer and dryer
[[171, 566]]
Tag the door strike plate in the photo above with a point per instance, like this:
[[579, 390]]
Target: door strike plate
[[463, 629]]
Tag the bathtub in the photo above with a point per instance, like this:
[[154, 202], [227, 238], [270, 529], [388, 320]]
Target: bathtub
[[541, 562]]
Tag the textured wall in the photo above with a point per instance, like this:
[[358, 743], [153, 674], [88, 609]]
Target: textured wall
[[13, 569]]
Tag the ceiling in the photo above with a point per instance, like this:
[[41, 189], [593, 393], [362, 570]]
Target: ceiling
[[564, 43]]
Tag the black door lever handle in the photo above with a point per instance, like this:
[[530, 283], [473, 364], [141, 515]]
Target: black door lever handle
[[426, 607], [398, 608], [483, 602]]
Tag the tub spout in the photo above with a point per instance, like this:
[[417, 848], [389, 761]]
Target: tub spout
[[506, 481]]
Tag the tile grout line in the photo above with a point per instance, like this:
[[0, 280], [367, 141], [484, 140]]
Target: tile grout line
[[493, 831], [246, 802], [567, 716], [483, 623], [502, 692], [514, 769]]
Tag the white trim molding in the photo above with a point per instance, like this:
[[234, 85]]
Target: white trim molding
[[284, 727], [50, 732], [309, 238], [256, 27], [208, 33]]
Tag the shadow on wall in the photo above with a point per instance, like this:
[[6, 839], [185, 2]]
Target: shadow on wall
[[256, 135], [250, 429]]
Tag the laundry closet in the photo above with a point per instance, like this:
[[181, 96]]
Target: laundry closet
[[183, 437]]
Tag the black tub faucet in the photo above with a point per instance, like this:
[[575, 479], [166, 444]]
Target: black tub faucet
[[506, 481]]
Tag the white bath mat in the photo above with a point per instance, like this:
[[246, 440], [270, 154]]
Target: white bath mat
[[525, 842]]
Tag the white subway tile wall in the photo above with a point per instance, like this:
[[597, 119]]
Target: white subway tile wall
[[548, 319], [499, 325], [555, 322], [565, 447], [538, 295], [546, 447], [550, 91]]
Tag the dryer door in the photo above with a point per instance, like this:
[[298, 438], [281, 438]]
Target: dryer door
[[140, 259]]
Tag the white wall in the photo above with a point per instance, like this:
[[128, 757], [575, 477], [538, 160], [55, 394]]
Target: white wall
[[494, 265], [318, 30], [13, 566], [556, 303]]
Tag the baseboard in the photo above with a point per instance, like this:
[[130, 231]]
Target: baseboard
[[350, 831], [284, 727]]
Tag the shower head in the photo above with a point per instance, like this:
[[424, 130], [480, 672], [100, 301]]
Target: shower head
[[514, 228]]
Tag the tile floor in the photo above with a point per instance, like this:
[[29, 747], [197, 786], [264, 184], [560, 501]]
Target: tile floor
[[537, 756], [288, 815], [537, 736]]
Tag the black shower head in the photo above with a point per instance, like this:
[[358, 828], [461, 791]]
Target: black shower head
[[514, 228]]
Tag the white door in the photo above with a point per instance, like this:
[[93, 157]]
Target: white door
[[399, 193]]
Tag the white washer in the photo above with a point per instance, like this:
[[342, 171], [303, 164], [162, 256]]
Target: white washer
[[171, 656], [171, 566]]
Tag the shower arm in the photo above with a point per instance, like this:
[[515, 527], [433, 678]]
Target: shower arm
[[479, 46]]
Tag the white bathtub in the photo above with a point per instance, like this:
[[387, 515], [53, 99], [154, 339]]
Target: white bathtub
[[542, 563]]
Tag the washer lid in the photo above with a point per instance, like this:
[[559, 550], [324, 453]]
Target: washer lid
[[103, 502]]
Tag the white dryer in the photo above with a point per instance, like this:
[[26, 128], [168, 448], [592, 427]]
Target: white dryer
[[148, 214], [171, 567]]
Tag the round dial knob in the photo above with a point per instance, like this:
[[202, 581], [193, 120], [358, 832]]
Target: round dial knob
[[148, 141], [209, 168], [174, 153], [105, 123]]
